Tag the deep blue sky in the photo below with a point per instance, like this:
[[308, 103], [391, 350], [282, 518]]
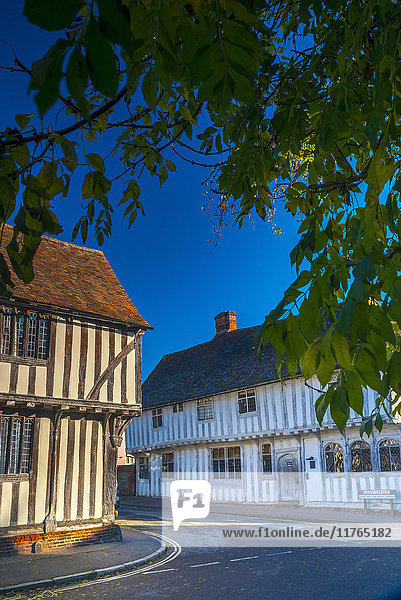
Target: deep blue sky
[[176, 278]]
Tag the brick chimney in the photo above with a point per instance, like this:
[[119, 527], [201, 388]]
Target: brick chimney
[[226, 321]]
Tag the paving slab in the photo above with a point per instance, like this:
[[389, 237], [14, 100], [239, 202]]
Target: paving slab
[[74, 563]]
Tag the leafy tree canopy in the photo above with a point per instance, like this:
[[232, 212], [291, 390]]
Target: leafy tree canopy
[[302, 104]]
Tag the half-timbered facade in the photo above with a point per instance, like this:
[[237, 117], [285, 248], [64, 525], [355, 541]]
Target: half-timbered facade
[[70, 377], [216, 409]]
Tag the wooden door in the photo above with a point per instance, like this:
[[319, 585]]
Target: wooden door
[[289, 477]]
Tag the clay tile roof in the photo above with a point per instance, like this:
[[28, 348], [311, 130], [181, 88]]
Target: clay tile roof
[[227, 362], [75, 278]]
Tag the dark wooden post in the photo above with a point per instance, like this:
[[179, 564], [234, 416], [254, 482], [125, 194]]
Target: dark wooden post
[[50, 523], [109, 469]]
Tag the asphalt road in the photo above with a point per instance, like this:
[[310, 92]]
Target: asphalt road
[[281, 573]]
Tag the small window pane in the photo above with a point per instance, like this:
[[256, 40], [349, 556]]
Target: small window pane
[[32, 332], [6, 333], [246, 402], [4, 425], [389, 452], [143, 467], [334, 458], [43, 338], [26, 448], [20, 335], [267, 466], [361, 458], [15, 445]]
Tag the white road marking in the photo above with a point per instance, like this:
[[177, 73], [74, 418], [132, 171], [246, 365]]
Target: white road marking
[[159, 571], [277, 553], [243, 558], [204, 564]]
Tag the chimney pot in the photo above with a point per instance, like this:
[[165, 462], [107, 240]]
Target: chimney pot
[[226, 321]]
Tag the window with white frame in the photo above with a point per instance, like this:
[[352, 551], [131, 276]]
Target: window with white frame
[[226, 462], [16, 435], [178, 407], [143, 467], [168, 462], [389, 452], [24, 334], [157, 418], [267, 463], [205, 409], [246, 401]]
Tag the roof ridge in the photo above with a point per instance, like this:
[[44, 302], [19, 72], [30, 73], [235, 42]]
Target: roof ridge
[[211, 340]]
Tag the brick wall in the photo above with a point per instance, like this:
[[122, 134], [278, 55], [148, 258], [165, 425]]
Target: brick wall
[[126, 479], [46, 542]]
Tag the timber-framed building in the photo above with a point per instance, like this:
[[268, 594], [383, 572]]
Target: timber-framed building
[[217, 410], [70, 381]]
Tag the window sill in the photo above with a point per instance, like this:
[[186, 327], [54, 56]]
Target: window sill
[[253, 413], [14, 477]]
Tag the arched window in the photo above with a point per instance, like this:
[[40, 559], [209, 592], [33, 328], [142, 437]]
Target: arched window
[[334, 458], [361, 457], [390, 459]]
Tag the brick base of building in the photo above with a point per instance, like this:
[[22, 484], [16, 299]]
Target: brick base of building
[[27, 543]]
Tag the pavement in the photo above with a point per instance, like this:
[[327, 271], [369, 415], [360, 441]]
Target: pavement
[[275, 512], [29, 571]]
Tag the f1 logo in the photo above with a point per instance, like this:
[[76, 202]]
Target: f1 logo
[[189, 500]]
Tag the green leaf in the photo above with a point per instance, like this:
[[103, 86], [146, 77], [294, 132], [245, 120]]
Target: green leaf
[[379, 422], [310, 361], [96, 162], [87, 186], [355, 392], [339, 408], [366, 366], [46, 76], [379, 172], [115, 23], [21, 155], [149, 88], [7, 198], [170, 165], [22, 119], [163, 174], [341, 350], [77, 79], [322, 404], [52, 14], [325, 369], [101, 60]]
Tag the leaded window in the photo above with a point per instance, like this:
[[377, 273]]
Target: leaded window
[[267, 464], [24, 334], [168, 462], [157, 418], [205, 409], [389, 452], [143, 465], [361, 457], [226, 462], [334, 458], [246, 401], [16, 435]]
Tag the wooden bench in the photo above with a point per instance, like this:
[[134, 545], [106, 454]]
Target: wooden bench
[[389, 495]]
